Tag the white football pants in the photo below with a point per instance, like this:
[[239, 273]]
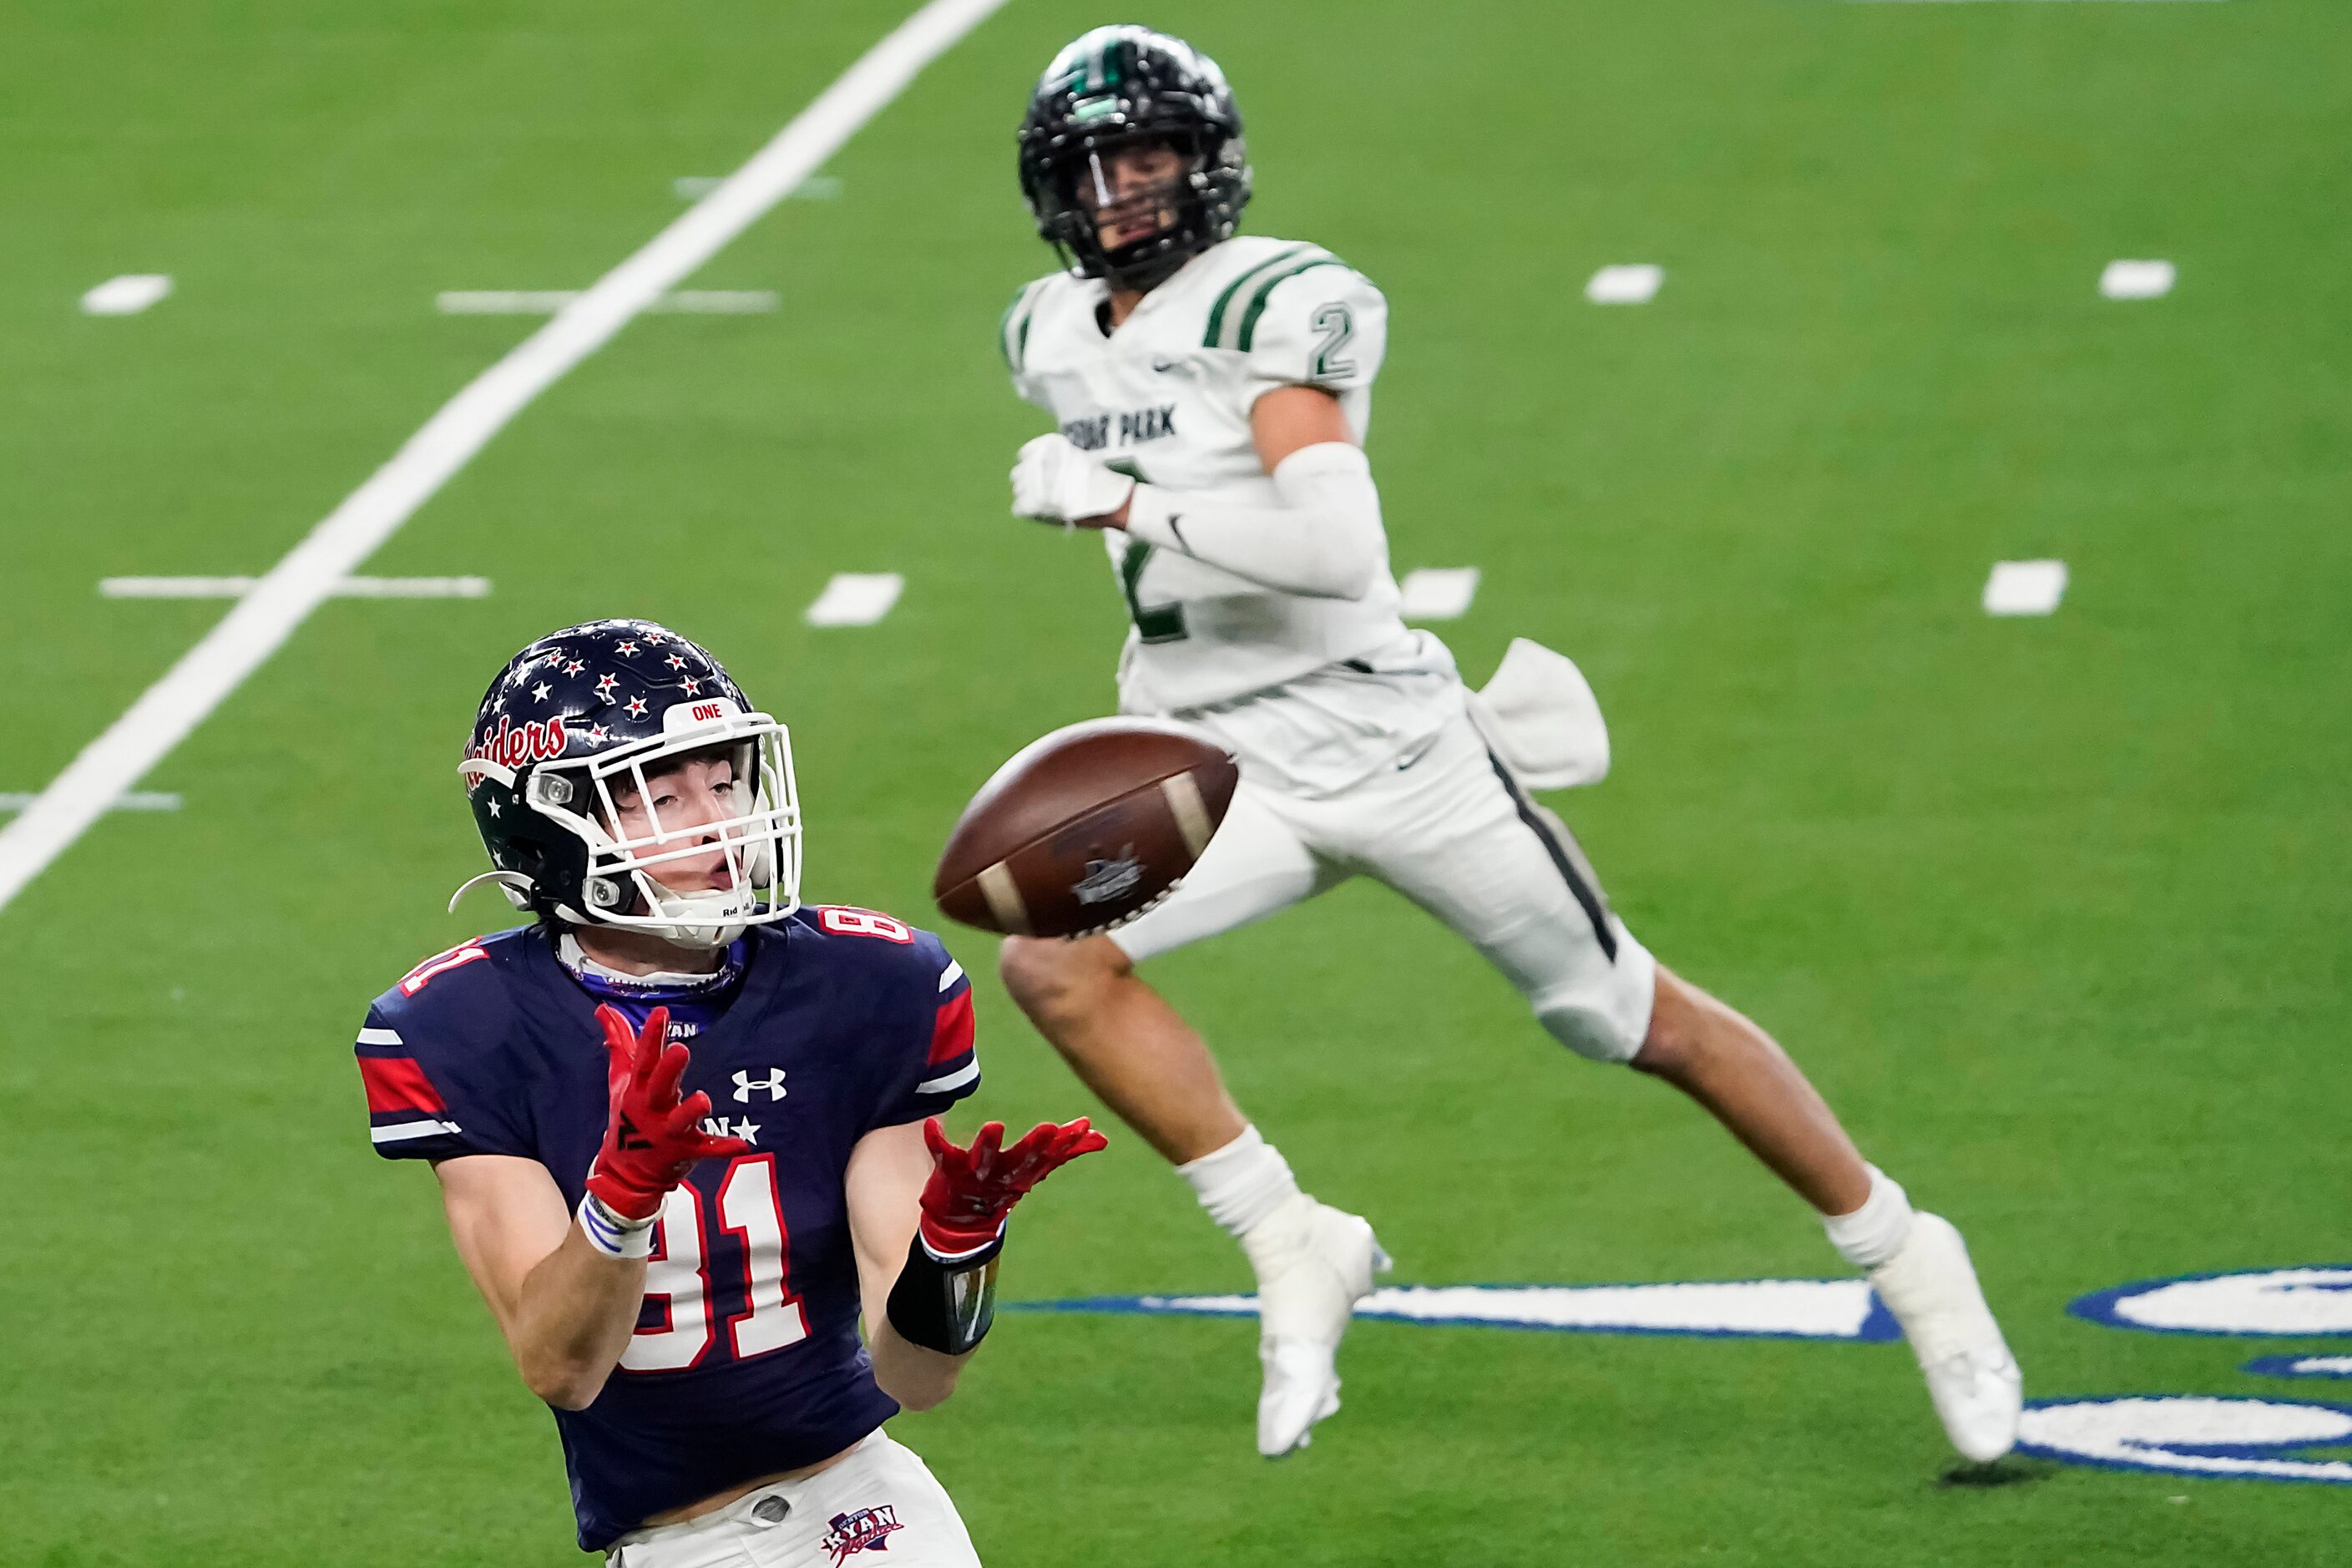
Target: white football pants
[[880, 1505], [1454, 833]]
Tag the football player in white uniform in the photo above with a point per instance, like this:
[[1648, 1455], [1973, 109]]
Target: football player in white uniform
[[1212, 394]]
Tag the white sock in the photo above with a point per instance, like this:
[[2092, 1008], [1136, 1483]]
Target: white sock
[[1876, 1231], [1242, 1182]]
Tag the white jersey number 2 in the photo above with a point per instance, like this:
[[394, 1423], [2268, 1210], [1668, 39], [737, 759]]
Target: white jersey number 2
[[677, 1276]]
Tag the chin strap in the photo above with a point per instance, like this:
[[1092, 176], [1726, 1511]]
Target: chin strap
[[697, 919], [513, 884]]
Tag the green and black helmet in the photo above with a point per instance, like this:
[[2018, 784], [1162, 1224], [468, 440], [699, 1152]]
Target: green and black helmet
[[1116, 86]]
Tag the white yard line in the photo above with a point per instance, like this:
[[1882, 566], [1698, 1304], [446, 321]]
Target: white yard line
[[349, 588], [206, 675]]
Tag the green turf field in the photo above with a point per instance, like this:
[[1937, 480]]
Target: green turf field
[[2054, 911]]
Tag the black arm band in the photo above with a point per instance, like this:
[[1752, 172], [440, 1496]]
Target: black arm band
[[945, 1306]]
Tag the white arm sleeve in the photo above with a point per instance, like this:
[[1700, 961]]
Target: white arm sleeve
[[1324, 540]]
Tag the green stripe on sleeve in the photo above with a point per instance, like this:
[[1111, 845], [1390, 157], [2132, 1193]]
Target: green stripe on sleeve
[[1257, 301], [1012, 327], [1217, 313], [1005, 332]]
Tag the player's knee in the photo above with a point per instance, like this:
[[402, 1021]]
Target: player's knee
[[1051, 979], [1590, 1028]]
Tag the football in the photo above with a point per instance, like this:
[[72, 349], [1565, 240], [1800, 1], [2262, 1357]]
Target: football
[[1085, 829]]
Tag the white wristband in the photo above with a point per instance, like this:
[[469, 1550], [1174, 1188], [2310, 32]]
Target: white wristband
[[1147, 509], [615, 1236]]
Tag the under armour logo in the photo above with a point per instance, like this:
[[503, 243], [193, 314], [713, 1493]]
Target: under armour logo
[[745, 1083]]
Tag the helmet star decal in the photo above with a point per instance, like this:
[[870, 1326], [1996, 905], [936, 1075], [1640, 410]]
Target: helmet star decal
[[637, 707]]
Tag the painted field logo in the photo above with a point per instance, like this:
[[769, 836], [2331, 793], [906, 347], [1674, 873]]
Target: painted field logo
[[2192, 1434], [869, 1528], [1728, 1309], [2213, 1435], [2295, 1301]]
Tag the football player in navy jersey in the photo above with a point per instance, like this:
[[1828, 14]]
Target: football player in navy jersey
[[685, 1129]]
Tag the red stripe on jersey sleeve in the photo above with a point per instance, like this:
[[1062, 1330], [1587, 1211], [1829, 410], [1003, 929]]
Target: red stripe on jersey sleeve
[[951, 1031], [397, 1083]]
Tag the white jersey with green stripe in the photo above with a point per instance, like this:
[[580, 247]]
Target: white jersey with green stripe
[[1167, 397]]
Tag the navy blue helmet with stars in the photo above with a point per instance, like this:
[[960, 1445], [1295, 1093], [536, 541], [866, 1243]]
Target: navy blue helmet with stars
[[600, 707]]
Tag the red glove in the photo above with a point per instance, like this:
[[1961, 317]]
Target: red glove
[[971, 1190], [653, 1138]]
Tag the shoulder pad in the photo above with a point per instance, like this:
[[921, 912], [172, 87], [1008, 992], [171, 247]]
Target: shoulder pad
[[1012, 327], [879, 942], [465, 975], [1234, 317]]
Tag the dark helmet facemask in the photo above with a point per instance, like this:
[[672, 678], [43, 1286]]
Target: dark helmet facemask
[[1113, 88]]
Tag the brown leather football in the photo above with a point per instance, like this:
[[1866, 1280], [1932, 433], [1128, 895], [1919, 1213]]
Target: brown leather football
[[1085, 829]]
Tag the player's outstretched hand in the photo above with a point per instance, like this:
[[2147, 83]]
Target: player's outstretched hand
[[971, 1190], [653, 1138], [1052, 481]]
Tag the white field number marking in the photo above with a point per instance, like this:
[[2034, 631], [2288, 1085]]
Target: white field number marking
[[127, 295], [2024, 587], [2137, 280], [856, 599], [264, 619], [349, 588], [1629, 283], [1439, 593], [548, 301]]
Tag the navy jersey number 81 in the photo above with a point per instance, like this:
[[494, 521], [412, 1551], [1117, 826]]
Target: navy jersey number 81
[[746, 1360]]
